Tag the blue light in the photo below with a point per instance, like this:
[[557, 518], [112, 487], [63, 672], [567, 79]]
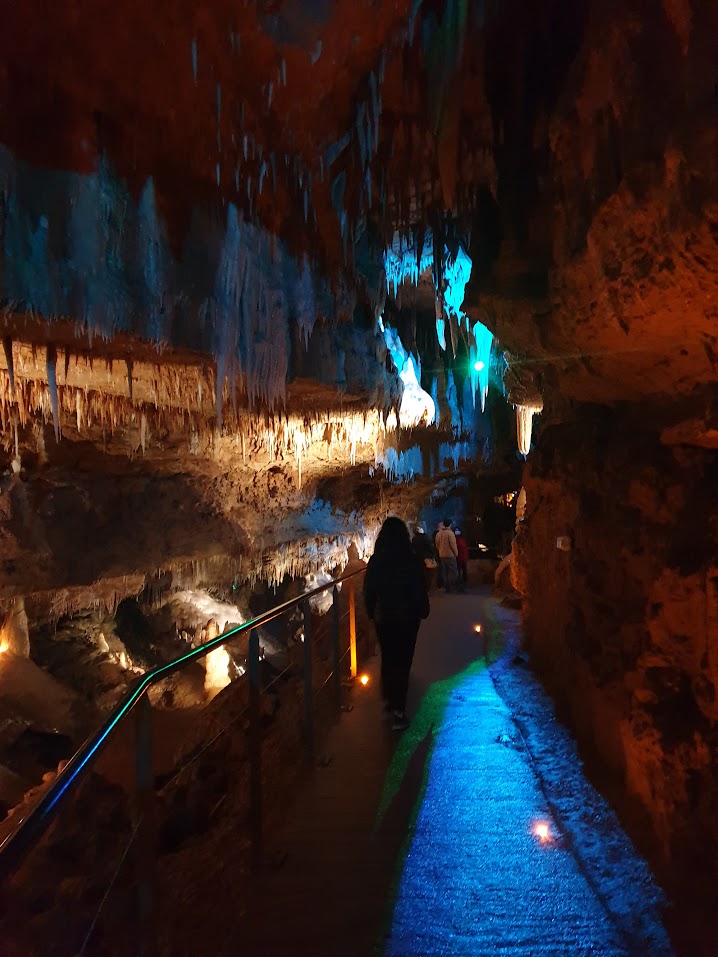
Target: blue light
[[400, 466], [453, 401], [416, 404], [441, 333], [457, 273], [471, 841], [400, 260], [480, 357], [403, 262]]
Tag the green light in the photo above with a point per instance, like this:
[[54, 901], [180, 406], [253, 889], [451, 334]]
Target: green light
[[478, 366]]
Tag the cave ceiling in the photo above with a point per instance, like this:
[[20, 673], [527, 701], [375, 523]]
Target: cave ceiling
[[170, 173]]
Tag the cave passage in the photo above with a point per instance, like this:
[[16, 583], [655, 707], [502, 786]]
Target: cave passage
[[432, 843], [271, 272]]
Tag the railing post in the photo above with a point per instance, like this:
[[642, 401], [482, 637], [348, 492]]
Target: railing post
[[145, 822], [308, 683], [352, 631], [255, 750], [337, 678]]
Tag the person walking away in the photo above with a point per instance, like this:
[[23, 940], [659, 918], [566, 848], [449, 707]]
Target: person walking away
[[396, 600], [425, 551], [446, 547], [462, 559]]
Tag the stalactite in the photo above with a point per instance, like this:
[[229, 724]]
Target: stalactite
[[225, 308], [479, 361], [153, 269], [115, 272], [51, 360], [7, 348], [524, 425], [194, 60]]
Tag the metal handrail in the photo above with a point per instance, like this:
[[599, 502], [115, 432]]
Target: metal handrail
[[17, 844]]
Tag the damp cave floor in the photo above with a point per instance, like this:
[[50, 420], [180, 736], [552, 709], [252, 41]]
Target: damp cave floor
[[421, 843]]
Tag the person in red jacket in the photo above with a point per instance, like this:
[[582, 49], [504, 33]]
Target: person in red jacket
[[462, 558]]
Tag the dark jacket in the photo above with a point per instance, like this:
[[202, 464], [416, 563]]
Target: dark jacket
[[463, 549], [423, 545], [395, 587]]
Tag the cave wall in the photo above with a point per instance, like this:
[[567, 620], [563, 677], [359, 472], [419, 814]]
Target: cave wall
[[622, 622], [604, 271]]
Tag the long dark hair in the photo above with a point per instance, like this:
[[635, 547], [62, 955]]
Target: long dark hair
[[393, 538]]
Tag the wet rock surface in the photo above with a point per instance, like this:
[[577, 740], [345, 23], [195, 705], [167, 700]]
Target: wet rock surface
[[621, 627]]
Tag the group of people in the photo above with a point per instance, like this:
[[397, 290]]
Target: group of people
[[448, 553], [396, 595]]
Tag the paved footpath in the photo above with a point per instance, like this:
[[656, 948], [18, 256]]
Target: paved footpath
[[422, 844], [476, 879]]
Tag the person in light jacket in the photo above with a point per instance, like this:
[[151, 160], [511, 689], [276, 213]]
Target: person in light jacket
[[445, 542], [396, 599]]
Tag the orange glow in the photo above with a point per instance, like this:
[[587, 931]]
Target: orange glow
[[364, 679], [541, 831], [477, 629]]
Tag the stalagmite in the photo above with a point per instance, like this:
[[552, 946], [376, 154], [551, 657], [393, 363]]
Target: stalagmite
[[14, 635], [217, 670], [40, 443]]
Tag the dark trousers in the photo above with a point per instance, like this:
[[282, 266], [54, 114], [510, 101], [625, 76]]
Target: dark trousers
[[397, 640], [450, 573]]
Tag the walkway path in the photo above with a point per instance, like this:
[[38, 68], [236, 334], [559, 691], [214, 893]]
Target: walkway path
[[476, 879], [422, 844]]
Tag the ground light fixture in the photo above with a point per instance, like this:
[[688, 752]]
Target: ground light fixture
[[542, 831], [477, 629], [364, 679]]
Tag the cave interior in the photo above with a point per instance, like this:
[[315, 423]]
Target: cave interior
[[273, 270]]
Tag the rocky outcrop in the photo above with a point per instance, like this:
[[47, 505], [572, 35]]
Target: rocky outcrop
[[607, 271], [602, 285], [619, 550], [14, 636]]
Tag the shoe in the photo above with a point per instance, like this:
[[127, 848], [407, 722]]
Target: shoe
[[400, 722]]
